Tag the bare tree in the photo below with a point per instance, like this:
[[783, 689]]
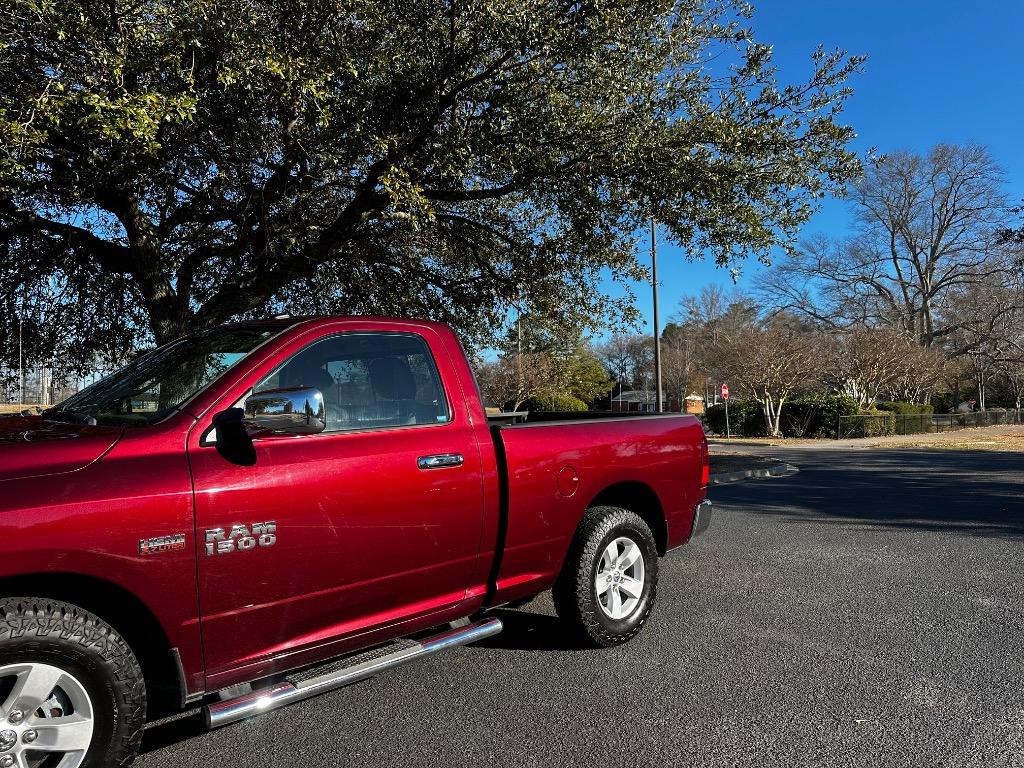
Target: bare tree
[[929, 227], [869, 363], [704, 309], [1014, 373], [771, 360], [678, 366], [615, 354], [863, 362], [513, 379], [921, 372], [630, 358], [982, 367], [989, 336], [1012, 363], [703, 320]]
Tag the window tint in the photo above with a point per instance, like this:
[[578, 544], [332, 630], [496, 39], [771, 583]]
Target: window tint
[[368, 380]]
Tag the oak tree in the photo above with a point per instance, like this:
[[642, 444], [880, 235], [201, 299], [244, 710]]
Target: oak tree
[[170, 165]]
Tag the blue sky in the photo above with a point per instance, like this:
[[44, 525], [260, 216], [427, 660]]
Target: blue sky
[[938, 71]]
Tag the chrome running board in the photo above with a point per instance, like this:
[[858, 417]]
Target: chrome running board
[[310, 684]]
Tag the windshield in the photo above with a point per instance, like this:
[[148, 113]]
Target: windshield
[[158, 382]]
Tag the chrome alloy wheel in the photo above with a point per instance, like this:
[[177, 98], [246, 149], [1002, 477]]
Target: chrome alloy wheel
[[46, 718], [620, 578]]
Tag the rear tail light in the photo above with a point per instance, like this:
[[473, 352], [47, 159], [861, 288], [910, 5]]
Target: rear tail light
[[705, 468]]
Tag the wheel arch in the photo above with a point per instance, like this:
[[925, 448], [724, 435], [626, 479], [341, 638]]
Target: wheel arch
[[640, 499], [127, 614]]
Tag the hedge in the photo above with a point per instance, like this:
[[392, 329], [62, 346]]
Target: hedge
[[809, 416], [874, 424], [915, 409], [746, 418], [815, 415]]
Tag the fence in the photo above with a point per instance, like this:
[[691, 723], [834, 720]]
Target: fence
[[35, 385], [876, 425]]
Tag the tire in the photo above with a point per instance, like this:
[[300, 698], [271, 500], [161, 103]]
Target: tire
[[96, 680], [588, 614]]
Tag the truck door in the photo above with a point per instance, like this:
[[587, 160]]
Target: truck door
[[341, 532]]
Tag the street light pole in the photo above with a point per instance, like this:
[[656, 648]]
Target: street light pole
[[660, 399], [21, 366]]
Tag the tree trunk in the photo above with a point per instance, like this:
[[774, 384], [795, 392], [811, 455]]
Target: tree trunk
[[766, 407], [772, 414], [778, 417], [168, 325], [927, 324]]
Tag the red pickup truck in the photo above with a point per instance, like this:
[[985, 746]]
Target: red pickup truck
[[259, 512]]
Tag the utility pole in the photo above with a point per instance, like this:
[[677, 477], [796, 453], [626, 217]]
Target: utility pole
[[660, 399], [519, 351], [21, 367]]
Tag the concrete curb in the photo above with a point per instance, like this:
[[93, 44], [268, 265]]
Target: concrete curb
[[776, 470]]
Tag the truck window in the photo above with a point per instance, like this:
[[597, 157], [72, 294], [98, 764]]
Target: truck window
[[160, 381], [368, 380]]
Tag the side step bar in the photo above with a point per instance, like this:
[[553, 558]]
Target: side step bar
[[289, 691]]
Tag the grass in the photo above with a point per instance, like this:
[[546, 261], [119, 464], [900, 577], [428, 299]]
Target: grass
[[961, 441], [15, 407]]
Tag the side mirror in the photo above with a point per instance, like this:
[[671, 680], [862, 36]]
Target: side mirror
[[289, 411]]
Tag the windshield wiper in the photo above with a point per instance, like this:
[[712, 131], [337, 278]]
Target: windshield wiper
[[69, 417]]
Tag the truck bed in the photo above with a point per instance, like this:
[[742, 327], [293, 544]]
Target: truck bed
[[553, 466]]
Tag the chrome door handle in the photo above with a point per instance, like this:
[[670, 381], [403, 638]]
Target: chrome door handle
[[440, 460]]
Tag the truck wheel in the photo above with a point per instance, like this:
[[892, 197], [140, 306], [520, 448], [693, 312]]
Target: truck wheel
[[607, 586], [72, 690]]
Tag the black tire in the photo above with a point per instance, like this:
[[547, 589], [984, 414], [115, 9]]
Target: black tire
[[575, 595], [43, 631]]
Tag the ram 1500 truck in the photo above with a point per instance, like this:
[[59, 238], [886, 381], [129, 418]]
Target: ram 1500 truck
[[259, 512]]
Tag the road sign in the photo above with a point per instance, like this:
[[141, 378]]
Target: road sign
[[725, 391]]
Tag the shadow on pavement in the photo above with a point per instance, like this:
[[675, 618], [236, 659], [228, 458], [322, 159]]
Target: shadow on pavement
[[526, 631], [979, 493], [171, 731]]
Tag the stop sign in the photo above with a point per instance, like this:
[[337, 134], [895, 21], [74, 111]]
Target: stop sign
[[725, 391]]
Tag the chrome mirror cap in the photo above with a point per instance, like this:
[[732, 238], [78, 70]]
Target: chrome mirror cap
[[288, 411]]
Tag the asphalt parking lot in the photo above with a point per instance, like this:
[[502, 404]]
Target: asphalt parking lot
[[867, 611]]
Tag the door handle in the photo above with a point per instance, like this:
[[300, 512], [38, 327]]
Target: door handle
[[440, 461]]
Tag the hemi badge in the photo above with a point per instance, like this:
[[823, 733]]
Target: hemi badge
[[159, 544]]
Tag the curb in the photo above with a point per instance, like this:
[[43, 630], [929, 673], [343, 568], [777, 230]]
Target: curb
[[776, 470]]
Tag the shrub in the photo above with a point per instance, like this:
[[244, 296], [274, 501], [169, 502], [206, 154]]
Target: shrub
[[911, 418], [555, 401], [915, 409], [870, 424], [815, 415], [746, 418]]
